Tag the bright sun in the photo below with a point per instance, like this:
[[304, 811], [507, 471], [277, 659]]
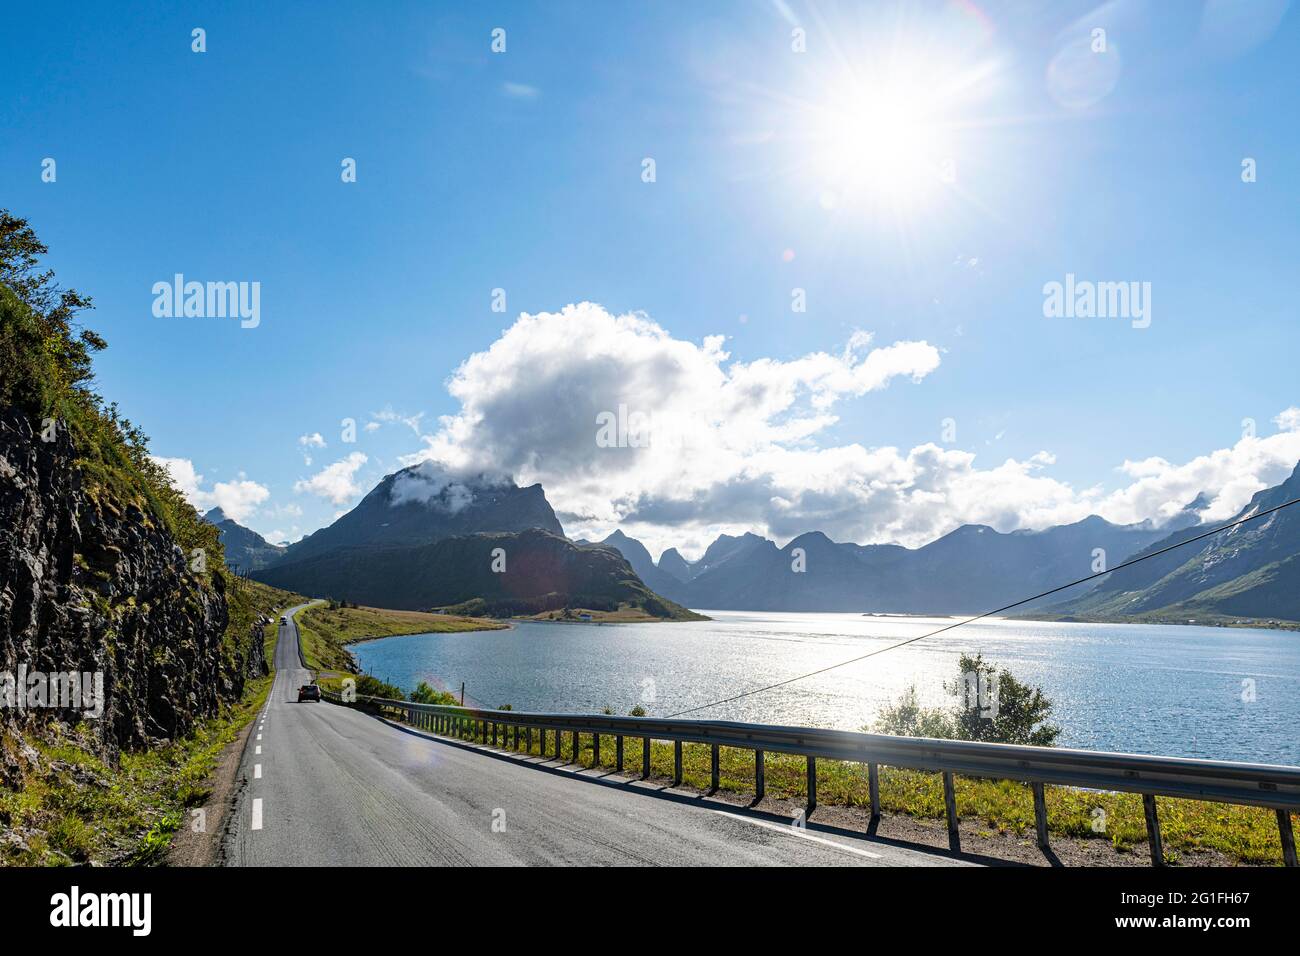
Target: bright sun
[[881, 142]]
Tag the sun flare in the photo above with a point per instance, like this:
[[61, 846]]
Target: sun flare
[[882, 141]]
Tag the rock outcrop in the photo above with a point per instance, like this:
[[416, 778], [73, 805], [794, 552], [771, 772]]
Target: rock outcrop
[[91, 580]]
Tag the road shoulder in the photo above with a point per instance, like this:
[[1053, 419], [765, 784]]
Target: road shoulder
[[202, 848]]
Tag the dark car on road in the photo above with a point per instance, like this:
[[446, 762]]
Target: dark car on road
[[308, 692]]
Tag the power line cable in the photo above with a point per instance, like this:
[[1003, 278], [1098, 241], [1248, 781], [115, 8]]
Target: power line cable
[[1008, 607]]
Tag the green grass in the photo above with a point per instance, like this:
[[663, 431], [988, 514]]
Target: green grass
[[325, 631], [1246, 835], [80, 809]]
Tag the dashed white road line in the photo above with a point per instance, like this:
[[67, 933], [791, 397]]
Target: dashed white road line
[[259, 736], [798, 832], [257, 771], [257, 813], [258, 751]]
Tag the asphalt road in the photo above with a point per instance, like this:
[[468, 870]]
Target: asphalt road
[[328, 785]]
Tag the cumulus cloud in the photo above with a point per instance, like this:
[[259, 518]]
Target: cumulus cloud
[[335, 483], [429, 484], [314, 440], [1227, 476], [1288, 420], [239, 499], [622, 422], [626, 426]]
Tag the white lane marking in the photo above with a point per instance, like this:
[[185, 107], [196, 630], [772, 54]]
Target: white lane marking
[[259, 736], [802, 834], [258, 751], [257, 813], [257, 771]]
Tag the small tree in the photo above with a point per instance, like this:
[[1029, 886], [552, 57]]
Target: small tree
[[1003, 710], [424, 694], [907, 718], [991, 705]]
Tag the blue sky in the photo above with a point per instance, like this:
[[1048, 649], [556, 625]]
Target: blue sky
[[522, 171]]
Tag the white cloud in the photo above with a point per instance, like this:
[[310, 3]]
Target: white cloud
[[734, 447], [239, 499], [337, 482], [430, 485], [1288, 420], [314, 440], [519, 91], [727, 442], [389, 417]]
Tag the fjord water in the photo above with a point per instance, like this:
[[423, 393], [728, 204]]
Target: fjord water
[[1159, 689]]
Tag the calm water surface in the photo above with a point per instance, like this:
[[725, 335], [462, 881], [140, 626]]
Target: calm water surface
[[1137, 688]]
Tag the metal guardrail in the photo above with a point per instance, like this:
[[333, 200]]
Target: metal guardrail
[[1261, 785]]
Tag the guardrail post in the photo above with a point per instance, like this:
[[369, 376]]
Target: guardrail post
[[516, 746], [950, 807], [575, 748], [645, 757], [677, 763], [760, 782], [1288, 837], [1153, 829], [812, 787], [528, 740], [485, 731], [595, 750], [618, 753], [713, 770], [1040, 814], [873, 788]]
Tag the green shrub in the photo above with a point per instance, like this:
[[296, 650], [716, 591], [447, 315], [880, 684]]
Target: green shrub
[[1019, 717]]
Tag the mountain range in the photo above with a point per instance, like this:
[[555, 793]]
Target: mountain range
[[421, 504], [384, 549], [969, 570], [1252, 571], [422, 539], [246, 550]]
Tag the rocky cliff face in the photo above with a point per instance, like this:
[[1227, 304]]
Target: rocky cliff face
[[90, 580]]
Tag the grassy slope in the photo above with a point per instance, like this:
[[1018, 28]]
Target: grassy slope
[[325, 632], [81, 809], [626, 614]]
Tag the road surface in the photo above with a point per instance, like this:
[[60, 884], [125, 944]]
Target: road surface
[[328, 785]]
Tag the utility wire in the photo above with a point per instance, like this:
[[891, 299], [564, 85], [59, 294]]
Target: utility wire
[[1008, 607]]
